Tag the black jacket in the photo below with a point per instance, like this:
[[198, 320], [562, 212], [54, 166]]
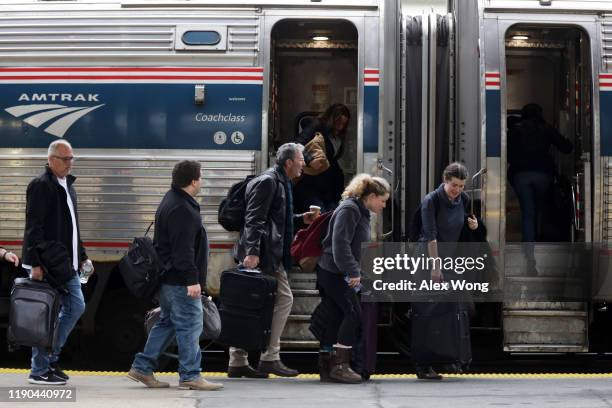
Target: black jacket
[[327, 186], [529, 145], [348, 228], [48, 217], [264, 232], [179, 237]]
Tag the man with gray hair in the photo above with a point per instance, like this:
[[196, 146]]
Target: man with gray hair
[[265, 243], [51, 215]]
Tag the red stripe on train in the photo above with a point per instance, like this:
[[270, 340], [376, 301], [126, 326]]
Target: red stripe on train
[[128, 69], [134, 77], [94, 244]]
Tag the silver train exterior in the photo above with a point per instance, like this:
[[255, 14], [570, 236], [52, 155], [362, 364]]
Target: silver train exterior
[[136, 86]]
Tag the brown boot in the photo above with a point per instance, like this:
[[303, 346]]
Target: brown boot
[[340, 367], [323, 364]]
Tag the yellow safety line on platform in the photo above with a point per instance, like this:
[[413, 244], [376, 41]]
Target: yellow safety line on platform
[[316, 376]]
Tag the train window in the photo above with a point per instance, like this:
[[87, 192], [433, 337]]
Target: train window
[[198, 37], [201, 38]]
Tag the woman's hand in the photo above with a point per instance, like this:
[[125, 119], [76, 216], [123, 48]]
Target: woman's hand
[[353, 282], [472, 222]]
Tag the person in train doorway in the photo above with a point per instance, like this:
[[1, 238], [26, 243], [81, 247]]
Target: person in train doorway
[[531, 171], [179, 237], [324, 189], [265, 244], [444, 222], [51, 215], [339, 274]]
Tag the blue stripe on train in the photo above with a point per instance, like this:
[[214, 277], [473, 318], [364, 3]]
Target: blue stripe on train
[[139, 116], [605, 122], [493, 122], [370, 119]]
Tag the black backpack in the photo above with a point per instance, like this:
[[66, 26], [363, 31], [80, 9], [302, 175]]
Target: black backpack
[[141, 267], [416, 224], [232, 209]]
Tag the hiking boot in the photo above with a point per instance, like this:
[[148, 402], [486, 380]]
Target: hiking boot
[[199, 384], [341, 370], [148, 380], [55, 368], [48, 378], [277, 368], [244, 371]]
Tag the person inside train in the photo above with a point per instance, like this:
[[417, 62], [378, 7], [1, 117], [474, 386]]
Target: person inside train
[[531, 170], [324, 188]]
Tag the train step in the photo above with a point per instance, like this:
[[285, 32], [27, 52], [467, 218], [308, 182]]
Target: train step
[[545, 330], [297, 328], [304, 301]]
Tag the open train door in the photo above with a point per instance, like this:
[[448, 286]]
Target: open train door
[[542, 57]]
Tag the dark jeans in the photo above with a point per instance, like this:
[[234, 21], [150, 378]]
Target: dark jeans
[[73, 306], [344, 317], [531, 188]]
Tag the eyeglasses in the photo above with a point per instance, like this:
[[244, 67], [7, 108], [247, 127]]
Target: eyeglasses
[[66, 159]]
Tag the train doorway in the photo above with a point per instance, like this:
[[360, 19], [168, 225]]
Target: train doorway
[[549, 134]]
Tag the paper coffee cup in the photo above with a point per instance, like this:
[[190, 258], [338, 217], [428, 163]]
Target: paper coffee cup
[[316, 209]]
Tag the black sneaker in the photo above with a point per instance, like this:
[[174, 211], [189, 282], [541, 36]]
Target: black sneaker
[[55, 368], [46, 379]]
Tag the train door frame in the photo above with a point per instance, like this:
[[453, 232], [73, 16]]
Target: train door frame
[[496, 25], [367, 58]]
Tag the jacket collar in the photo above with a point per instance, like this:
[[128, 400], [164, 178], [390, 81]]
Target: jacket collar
[[281, 172], [70, 179], [182, 193]]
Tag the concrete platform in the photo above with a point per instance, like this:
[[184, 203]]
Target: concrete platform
[[108, 390]]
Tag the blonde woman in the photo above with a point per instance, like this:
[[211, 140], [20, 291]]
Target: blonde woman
[[339, 273]]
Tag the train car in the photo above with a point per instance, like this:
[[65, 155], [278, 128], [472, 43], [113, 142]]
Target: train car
[[457, 103], [136, 86]]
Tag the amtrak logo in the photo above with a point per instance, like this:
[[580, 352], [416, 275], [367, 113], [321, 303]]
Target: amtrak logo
[[63, 116]]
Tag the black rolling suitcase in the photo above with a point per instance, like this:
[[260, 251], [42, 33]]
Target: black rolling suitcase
[[33, 314], [247, 304], [441, 334]]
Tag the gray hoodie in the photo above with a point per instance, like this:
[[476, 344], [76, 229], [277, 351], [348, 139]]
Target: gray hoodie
[[348, 228]]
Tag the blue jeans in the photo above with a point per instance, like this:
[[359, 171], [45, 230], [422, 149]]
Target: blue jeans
[[72, 307], [531, 188], [181, 316]]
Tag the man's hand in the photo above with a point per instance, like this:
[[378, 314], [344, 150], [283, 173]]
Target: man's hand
[[11, 258], [37, 273], [309, 217], [250, 261], [194, 291]]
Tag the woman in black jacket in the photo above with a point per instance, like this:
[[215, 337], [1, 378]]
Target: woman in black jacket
[[324, 189], [339, 273]]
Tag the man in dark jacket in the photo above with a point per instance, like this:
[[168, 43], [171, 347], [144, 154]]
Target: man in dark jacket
[[178, 238], [265, 243], [51, 215]]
